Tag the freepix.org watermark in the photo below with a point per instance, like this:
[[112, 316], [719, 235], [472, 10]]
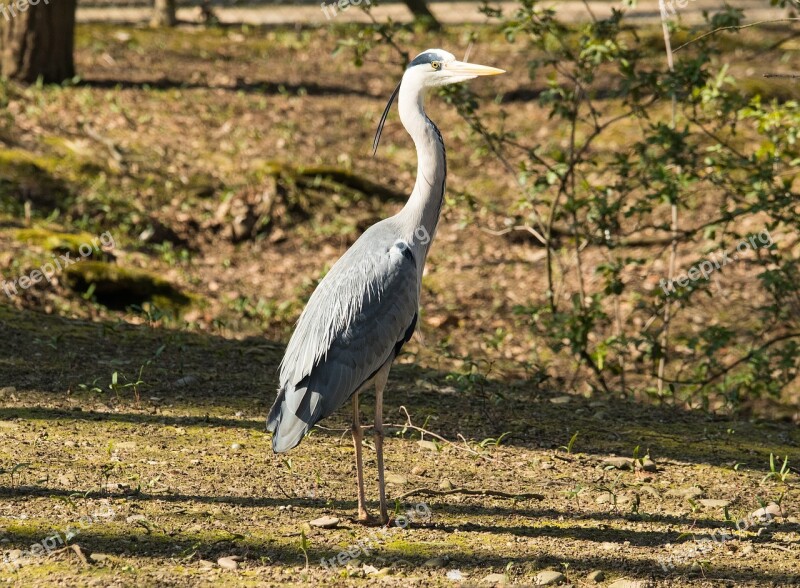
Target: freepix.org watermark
[[59, 263], [12, 9], [330, 10], [716, 261]]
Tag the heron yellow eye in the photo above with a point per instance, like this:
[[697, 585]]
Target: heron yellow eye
[[436, 64]]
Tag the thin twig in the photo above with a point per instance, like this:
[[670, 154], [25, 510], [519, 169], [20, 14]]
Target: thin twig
[[470, 492], [409, 425], [730, 28]]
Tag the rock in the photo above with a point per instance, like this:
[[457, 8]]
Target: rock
[[605, 498], [714, 502], [205, 563], [98, 557], [548, 578], [623, 583], [596, 576], [397, 479], [136, 518], [620, 463], [236, 446], [649, 465], [494, 579], [436, 562], [428, 445], [418, 470], [446, 484], [228, 563], [767, 513], [561, 399], [455, 575], [325, 522], [689, 493]]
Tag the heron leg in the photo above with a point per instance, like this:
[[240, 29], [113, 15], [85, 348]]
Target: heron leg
[[380, 384], [363, 515]]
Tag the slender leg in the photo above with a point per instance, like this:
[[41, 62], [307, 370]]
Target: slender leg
[[363, 515], [380, 384]]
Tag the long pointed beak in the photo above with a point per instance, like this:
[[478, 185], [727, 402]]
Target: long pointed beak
[[472, 69]]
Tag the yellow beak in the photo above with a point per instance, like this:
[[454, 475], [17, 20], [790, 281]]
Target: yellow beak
[[472, 69]]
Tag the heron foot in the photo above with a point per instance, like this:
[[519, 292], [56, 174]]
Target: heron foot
[[366, 519]]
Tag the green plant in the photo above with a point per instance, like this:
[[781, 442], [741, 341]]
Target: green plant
[[777, 474]]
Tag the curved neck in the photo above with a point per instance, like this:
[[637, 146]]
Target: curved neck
[[423, 207]]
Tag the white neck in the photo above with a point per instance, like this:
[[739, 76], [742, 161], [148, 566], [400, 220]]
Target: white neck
[[423, 206]]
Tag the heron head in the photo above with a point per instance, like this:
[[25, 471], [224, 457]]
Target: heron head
[[437, 67], [431, 69]]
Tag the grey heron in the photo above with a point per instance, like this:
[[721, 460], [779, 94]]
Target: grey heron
[[365, 308]]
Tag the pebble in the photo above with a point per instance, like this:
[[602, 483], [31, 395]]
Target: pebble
[[229, 563], [604, 498], [418, 470], [236, 446], [428, 445], [769, 512], [548, 578], [446, 484], [135, 518], [649, 465], [455, 575], [494, 579], [325, 522], [621, 463], [689, 493], [398, 479], [623, 583], [596, 576], [561, 399], [714, 502], [99, 557]]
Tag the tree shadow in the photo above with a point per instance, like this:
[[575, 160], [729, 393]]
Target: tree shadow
[[63, 368]]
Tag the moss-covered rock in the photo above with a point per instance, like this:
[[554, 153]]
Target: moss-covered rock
[[118, 288]]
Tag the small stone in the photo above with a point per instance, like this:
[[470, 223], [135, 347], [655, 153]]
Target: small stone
[[455, 575], [714, 502], [767, 513], [548, 578], [98, 557], [561, 399], [436, 562], [238, 414], [69, 443], [236, 446], [136, 518], [228, 563], [418, 470], [205, 563], [494, 579], [649, 465], [446, 484], [596, 576], [325, 522], [547, 465], [689, 493], [397, 479], [620, 463], [623, 583], [605, 498], [428, 445]]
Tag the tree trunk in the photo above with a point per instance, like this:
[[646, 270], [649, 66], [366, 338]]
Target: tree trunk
[[422, 14], [37, 42], [164, 14]]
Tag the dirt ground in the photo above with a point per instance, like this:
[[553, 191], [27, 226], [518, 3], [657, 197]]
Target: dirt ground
[[132, 442]]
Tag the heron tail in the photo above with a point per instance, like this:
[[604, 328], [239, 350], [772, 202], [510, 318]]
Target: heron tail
[[295, 411]]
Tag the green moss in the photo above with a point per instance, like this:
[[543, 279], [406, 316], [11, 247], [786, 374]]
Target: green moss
[[54, 240]]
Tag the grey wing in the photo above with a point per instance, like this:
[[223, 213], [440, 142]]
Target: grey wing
[[355, 321]]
